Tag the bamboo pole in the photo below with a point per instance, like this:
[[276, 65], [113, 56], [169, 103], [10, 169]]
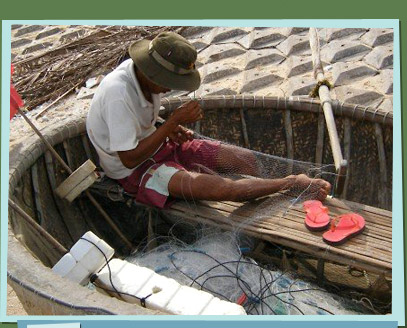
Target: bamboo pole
[[347, 149], [320, 139], [331, 126], [289, 133], [86, 147], [383, 197], [45, 141], [67, 151], [244, 128], [321, 269], [61, 249], [68, 169], [340, 181], [46, 109], [324, 96], [36, 191]]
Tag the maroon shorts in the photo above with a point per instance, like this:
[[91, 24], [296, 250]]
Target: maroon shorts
[[148, 183]]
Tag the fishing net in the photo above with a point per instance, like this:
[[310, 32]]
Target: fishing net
[[215, 263], [255, 173]]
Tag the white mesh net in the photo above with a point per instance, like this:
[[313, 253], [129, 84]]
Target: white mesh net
[[215, 263], [255, 175]]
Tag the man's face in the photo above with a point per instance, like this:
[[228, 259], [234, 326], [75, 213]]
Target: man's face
[[152, 87], [156, 89]]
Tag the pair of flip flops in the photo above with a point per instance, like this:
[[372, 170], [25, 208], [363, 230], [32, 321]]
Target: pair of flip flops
[[341, 229]]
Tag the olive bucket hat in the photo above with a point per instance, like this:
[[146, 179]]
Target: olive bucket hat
[[168, 61]]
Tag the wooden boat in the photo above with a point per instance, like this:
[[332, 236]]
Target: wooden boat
[[287, 127]]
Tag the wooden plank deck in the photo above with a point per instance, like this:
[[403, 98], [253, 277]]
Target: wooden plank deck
[[371, 251]]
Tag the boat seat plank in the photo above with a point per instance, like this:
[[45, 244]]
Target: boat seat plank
[[297, 215], [278, 227], [336, 207], [264, 219], [295, 222], [276, 219]]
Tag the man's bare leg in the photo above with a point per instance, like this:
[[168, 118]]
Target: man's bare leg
[[192, 185], [237, 160]]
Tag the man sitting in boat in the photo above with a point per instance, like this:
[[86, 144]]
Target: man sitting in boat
[[153, 163]]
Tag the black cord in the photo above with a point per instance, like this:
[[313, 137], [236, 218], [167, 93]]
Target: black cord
[[254, 300], [219, 264], [141, 299], [252, 296]]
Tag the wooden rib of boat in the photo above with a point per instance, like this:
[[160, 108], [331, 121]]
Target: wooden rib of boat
[[285, 127]]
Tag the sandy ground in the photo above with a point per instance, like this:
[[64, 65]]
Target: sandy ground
[[14, 306]]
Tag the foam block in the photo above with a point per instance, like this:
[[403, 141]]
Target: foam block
[[82, 247], [127, 278], [64, 265], [79, 274], [84, 259], [188, 301], [220, 307], [166, 294], [162, 290]]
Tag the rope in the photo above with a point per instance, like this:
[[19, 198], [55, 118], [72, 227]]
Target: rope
[[115, 290], [314, 92], [384, 117]]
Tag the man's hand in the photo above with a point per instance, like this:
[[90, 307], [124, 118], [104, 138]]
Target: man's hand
[[189, 112], [319, 187], [181, 134]]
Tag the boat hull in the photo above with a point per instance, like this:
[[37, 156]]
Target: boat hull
[[259, 124]]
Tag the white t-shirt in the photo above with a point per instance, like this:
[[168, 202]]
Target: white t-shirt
[[119, 117]]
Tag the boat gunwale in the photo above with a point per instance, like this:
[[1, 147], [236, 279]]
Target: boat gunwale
[[297, 103], [33, 148]]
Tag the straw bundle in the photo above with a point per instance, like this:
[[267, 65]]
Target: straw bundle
[[51, 74]]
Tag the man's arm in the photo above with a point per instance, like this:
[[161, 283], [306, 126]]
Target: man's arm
[[187, 113]]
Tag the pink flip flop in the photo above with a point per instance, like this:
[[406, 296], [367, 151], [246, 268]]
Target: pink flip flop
[[317, 218], [343, 228]]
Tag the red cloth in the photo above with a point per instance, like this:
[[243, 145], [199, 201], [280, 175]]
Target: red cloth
[[196, 155], [15, 100]]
